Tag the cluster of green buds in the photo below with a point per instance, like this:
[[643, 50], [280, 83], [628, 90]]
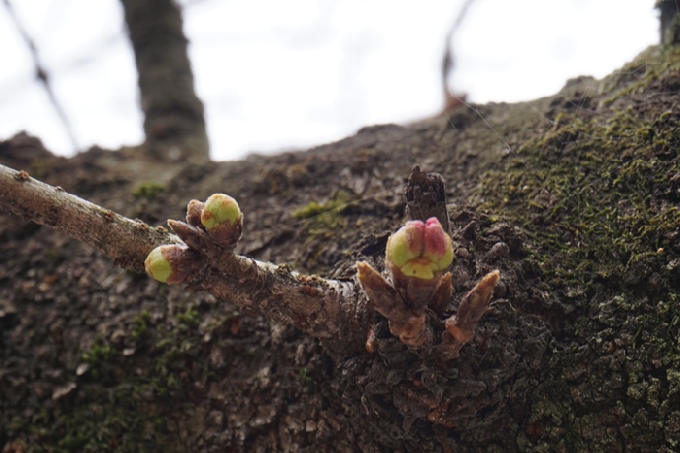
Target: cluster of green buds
[[216, 222], [417, 255]]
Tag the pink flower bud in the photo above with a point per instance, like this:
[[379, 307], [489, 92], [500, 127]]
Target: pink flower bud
[[420, 250]]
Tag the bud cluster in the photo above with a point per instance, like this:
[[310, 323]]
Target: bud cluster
[[420, 249], [417, 256], [217, 221]]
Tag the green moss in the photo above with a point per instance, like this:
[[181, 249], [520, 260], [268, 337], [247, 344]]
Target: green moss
[[148, 189], [16, 423], [124, 403], [583, 193], [322, 223], [597, 195], [313, 209], [324, 218], [141, 325], [189, 319], [98, 356], [307, 380], [634, 77]]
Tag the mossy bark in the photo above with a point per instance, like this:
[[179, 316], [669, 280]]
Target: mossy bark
[[575, 198]]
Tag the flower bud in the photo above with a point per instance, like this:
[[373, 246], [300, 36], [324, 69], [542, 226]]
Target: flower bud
[[166, 264], [219, 209], [420, 250], [222, 219], [195, 212], [417, 256]]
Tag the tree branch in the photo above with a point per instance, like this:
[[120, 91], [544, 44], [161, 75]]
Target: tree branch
[[174, 120], [202, 256], [42, 75], [127, 241], [330, 310], [452, 101]]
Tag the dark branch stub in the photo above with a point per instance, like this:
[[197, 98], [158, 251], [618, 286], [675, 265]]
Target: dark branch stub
[[425, 196]]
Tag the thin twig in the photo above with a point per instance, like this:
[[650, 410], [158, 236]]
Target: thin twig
[[42, 76], [333, 311], [447, 59], [126, 241]]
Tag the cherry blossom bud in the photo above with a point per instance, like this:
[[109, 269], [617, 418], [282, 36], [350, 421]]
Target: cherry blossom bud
[[420, 250], [222, 219], [167, 264], [218, 210]]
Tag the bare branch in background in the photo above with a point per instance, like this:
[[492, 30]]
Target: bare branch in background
[[41, 74], [452, 101]]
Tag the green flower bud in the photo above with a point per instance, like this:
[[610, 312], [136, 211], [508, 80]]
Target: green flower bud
[[157, 266], [220, 209], [166, 264], [222, 219], [420, 250]]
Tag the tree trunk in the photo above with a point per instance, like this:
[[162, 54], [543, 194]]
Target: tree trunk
[[174, 123], [669, 21], [574, 198]]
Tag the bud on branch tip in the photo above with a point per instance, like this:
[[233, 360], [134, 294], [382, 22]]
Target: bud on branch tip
[[219, 209], [221, 218]]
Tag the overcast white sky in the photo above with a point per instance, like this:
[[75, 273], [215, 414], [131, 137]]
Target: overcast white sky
[[278, 75]]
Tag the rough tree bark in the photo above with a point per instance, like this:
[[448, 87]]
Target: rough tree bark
[[174, 123], [578, 352]]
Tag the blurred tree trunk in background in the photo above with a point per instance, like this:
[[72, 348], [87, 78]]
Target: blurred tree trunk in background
[[174, 123], [670, 21]]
